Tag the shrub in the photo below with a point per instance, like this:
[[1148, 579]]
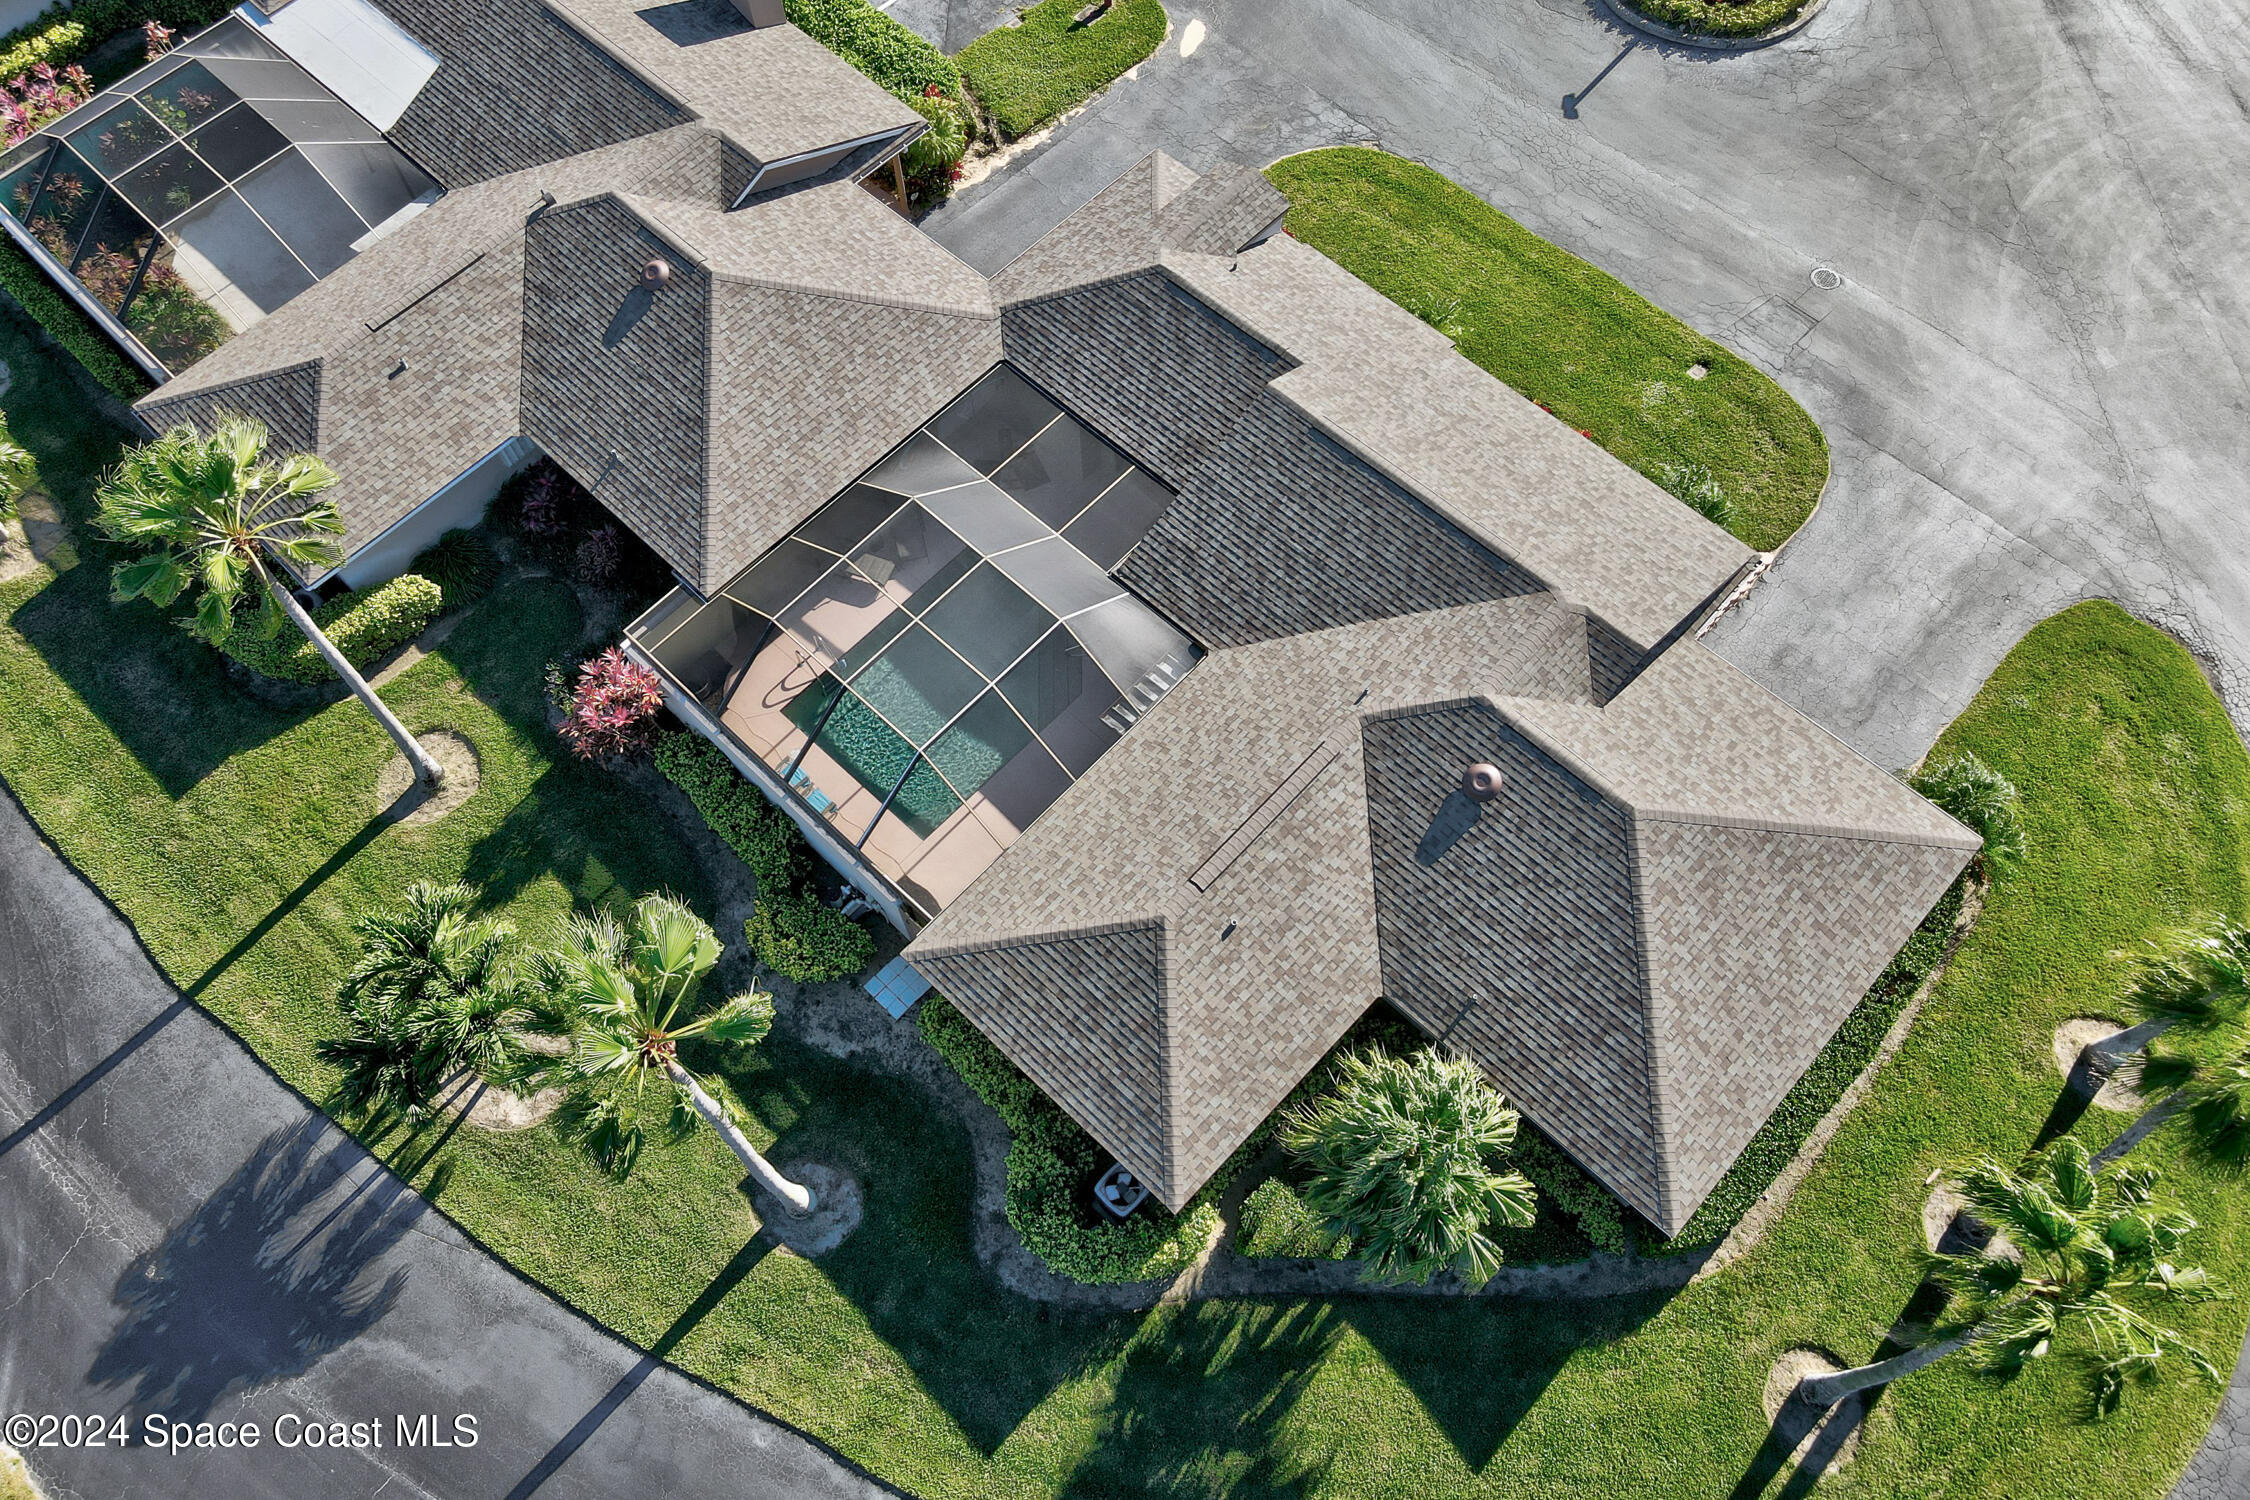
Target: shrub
[[1980, 798], [1275, 1222], [613, 709], [738, 812], [28, 101], [19, 473], [23, 280], [1601, 1218], [1720, 17], [55, 46], [599, 557], [947, 139], [1693, 486], [801, 937], [462, 563], [176, 325], [62, 34], [885, 50], [1051, 1167], [362, 627]]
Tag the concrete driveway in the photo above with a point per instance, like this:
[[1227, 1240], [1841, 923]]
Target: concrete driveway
[[180, 1235], [2031, 376]]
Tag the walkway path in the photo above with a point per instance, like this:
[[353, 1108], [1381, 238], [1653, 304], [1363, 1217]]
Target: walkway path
[[2031, 375], [181, 1234]]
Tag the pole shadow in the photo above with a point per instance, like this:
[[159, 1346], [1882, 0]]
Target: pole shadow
[[1570, 102], [93, 1075], [244, 1291]]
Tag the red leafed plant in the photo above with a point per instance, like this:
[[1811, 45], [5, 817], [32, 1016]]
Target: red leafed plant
[[613, 710], [156, 39], [30, 100]]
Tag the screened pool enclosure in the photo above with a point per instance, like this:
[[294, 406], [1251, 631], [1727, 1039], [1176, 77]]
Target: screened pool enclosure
[[200, 193], [934, 657]]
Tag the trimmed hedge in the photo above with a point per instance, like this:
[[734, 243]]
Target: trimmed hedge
[[58, 45], [1845, 1057], [801, 937], [23, 280], [1034, 72], [362, 626], [885, 50], [737, 811], [1720, 17], [1051, 1162]]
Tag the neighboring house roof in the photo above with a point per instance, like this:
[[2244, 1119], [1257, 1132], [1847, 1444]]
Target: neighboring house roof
[[797, 338], [1641, 952], [523, 82]]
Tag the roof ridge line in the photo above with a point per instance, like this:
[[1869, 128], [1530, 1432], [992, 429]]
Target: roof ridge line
[[1690, 816], [1045, 935], [905, 303], [164, 395], [1167, 1061]]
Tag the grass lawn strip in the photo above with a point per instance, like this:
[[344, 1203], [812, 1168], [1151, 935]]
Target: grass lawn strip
[[1567, 335], [1035, 72], [239, 840]]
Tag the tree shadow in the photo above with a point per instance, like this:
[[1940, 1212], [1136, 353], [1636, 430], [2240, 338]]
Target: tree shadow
[[1203, 1402], [262, 1281], [1478, 1366], [165, 695], [730, 1276]]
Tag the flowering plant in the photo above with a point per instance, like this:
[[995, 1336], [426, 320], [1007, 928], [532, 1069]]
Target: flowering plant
[[30, 100], [612, 712], [156, 39]]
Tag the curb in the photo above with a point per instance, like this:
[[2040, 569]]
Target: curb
[[1622, 12]]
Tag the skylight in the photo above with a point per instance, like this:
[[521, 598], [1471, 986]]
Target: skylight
[[936, 655], [205, 190]]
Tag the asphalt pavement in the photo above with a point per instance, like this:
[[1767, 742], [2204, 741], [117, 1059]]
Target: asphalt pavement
[[182, 1237], [2030, 368]]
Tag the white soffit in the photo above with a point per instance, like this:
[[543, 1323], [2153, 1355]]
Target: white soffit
[[358, 52]]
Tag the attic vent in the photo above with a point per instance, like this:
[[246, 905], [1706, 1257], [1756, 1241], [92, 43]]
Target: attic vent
[[1238, 842], [1482, 782], [656, 274]]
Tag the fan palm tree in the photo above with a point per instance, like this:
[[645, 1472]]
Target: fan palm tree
[[434, 993], [632, 995], [1402, 1156], [1980, 798], [213, 513], [2210, 1099], [2195, 980], [2076, 1250], [19, 476]]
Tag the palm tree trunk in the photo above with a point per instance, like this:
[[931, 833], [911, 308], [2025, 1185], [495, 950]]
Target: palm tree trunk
[[426, 770], [795, 1195], [2140, 1130], [1824, 1391], [2099, 1058]]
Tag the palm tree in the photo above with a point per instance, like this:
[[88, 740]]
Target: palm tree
[[2075, 1249], [631, 993], [1981, 799], [2212, 1099], [2195, 979], [211, 512], [434, 993], [19, 476], [1401, 1156]]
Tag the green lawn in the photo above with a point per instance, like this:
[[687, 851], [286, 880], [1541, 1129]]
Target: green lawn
[[1572, 337], [1031, 73], [239, 839]]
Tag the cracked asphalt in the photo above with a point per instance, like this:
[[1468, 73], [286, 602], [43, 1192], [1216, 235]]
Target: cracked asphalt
[[2031, 375], [180, 1234]]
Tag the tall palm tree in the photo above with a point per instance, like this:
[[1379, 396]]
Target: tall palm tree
[[2210, 1099], [1402, 1161], [2195, 979], [434, 993], [632, 995], [213, 513], [2075, 1250]]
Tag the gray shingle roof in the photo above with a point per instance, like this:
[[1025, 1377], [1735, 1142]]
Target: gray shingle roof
[[1644, 940]]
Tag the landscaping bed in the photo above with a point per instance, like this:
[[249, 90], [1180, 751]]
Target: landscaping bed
[[1565, 334], [1731, 19], [1032, 73], [241, 839]]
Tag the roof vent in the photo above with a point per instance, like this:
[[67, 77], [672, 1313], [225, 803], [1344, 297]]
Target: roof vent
[[655, 274], [1481, 782]]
